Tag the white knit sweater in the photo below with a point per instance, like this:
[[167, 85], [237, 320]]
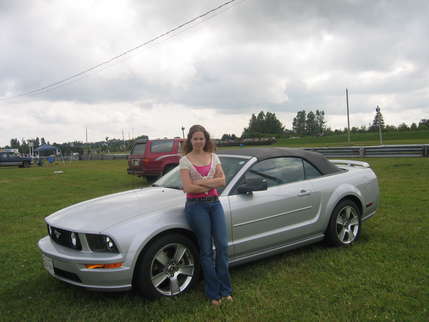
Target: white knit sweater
[[185, 163]]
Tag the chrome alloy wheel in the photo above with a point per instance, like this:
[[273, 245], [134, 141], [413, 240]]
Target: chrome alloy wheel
[[347, 224], [172, 269]]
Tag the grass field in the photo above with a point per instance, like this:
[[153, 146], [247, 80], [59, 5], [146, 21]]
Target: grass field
[[384, 276], [372, 138]]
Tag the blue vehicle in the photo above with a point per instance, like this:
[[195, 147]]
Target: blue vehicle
[[13, 159]]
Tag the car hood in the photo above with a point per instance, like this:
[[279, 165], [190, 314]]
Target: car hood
[[96, 215]]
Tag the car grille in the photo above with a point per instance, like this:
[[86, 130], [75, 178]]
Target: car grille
[[67, 275], [63, 238]]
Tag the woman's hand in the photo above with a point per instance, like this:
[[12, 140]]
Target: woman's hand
[[199, 182]]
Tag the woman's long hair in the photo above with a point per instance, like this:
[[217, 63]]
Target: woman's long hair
[[208, 147]]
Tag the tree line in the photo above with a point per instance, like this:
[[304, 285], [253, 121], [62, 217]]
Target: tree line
[[312, 124], [264, 124]]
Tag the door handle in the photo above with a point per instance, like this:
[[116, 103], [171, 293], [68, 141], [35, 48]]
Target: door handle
[[303, 192]]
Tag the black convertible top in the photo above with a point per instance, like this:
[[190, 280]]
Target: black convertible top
[[316, 159]]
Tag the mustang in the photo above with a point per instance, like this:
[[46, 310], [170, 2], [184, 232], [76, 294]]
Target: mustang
[[275, 199]]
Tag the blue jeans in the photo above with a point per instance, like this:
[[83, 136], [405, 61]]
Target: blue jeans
[[207, 220]]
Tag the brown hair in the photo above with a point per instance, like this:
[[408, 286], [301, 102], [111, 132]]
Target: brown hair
[[210, 146]]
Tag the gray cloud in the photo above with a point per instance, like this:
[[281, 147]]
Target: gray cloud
[[277, 55]]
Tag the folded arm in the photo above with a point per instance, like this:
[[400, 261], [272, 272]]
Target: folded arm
[[217, 181], [189, 186]]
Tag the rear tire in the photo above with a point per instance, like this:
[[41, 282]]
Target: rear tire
[[345, 224], [167, 267]]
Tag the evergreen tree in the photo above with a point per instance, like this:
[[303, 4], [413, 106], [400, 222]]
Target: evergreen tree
[[378, 121]]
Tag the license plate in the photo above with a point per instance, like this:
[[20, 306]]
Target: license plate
[[47, 263], [136, 162]]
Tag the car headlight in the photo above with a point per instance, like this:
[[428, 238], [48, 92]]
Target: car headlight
[[101, 243], [73, 238]]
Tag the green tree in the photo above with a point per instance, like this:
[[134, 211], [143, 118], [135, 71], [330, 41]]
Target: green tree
[[310, 124], [264, 124], [424, 124], [320, 122], [403, 127], [14, 143], [378, 121], [299, 123]]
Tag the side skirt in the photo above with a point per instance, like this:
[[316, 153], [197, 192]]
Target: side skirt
[[235, 261]]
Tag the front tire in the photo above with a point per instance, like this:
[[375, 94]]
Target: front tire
[[168, 267], [345, 224]]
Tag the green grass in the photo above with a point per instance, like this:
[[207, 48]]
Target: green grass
[[362, 139], [384, 276]]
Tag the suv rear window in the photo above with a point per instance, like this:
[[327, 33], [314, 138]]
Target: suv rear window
[[160, 146], [139, 148]]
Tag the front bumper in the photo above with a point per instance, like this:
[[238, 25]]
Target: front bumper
[[68, 265]]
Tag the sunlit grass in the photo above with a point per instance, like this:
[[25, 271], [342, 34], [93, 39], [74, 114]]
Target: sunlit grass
[[384, 276]]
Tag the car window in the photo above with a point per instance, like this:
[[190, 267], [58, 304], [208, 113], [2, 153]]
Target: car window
[[277, 171], [160, 146], [230, 166], [139, 148], [310, 171], [3, 155]]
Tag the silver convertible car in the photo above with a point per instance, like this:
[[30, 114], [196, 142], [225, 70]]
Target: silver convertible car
[[275, 200]]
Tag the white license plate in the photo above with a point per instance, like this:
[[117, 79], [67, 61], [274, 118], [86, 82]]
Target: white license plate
[[47, 263], [136, 162]]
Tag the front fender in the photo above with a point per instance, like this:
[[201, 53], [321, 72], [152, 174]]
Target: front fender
[[136, 234]]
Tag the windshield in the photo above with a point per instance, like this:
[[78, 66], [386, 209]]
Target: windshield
[[230, 166], [139, 148]]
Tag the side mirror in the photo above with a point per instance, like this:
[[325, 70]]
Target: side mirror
[[250, 185]]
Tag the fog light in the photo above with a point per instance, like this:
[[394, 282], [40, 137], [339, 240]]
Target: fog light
[[112, 265]]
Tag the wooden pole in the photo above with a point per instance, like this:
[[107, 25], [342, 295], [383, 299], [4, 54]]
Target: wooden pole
[[348, 116]]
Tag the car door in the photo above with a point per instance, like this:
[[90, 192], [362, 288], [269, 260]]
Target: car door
[[268, 219]]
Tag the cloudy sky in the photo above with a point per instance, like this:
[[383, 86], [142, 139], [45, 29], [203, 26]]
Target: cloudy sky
[[280, 56]]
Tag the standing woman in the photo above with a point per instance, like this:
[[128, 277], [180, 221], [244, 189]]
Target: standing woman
[[201, 173]]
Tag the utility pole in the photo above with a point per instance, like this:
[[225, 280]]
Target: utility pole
[[348, 116], [379, 124], [183, 131], [123, 139], [86, 135]]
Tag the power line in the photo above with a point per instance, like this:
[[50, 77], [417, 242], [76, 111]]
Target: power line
[[108, 61], [118, 61]]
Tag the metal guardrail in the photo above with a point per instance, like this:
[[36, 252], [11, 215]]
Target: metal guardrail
[[379, 151], [123, 156]]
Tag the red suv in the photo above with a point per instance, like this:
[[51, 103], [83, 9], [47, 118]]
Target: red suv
[[153, 158]]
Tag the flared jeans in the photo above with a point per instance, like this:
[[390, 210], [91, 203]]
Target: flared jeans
[[207, 220]]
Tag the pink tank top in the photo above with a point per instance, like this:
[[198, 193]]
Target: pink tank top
[[203, 170]]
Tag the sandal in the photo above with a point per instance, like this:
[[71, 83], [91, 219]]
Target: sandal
[[228, 298]]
